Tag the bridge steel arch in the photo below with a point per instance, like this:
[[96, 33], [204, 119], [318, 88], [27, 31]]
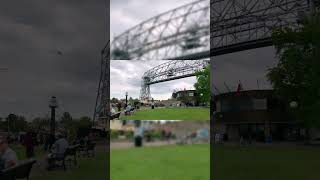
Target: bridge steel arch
[[184, 32], [101, 113], [169, 71]]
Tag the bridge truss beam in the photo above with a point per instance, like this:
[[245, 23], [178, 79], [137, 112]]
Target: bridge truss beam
[[171, 70], [219, 26], [101, 116]]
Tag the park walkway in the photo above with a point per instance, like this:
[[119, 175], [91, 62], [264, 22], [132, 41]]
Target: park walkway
[[130, 144]]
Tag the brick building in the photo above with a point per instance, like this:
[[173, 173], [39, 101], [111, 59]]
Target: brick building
[[257, 114]]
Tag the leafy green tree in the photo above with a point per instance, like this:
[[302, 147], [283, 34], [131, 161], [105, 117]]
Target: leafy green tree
[[297, 74], [84, 122], [15, 123], [114, 100], [202, 85], [83, 126], [66, 120], [39, 124], [68, 124]]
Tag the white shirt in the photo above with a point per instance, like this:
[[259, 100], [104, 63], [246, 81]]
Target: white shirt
[[138, 132], [61, 146], [113, 111], [128, 108], [9, 156]]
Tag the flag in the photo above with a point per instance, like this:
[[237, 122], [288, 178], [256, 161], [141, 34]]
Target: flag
[[239, 89]]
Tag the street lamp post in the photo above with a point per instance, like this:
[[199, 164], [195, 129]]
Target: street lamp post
[[293, 104], [53, 104], [201, 95], [126, 99]]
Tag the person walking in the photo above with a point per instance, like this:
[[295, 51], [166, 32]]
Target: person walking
[[29, 144], [138, 136]]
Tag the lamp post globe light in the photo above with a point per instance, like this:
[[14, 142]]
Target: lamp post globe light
[[293, 104], [53, 104]]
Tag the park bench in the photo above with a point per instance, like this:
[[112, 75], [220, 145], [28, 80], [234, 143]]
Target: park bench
[[115, 116], [8, 174], [129, 112], [87, 150], [69, 156], [20, 171]]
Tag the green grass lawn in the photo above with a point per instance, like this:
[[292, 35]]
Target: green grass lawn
[[170, 114], [88, 169], [192, 162], [21, 151], [266, 163], [161, 163], [230, 163]]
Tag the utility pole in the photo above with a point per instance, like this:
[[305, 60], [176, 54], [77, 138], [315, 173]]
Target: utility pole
[[53, 104]]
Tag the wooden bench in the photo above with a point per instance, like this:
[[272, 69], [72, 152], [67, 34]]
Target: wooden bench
[[8, 174], [130, 112], [115, 116], [69, 156], [87, 150], [20, 171]]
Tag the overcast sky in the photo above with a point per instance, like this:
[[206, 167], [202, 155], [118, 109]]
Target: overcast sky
[[31, 34], [34, 32], [126, 77], [248, 67]]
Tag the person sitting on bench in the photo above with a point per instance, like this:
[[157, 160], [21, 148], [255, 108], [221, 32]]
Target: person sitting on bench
[[128, 110], [59, 148], [8, 158]]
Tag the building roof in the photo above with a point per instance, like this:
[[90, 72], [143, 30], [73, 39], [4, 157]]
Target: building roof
[[247, 93]]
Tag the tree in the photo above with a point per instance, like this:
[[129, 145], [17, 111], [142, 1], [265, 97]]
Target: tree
[[130, 100], [66, 120], [83, 126], [296, 77], [67, 123], [15, 123], [202, 85], [39, 124], [84, 122], [114, 100]]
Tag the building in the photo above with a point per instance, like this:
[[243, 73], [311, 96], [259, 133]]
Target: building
[[256, 114], [121, 125], [187, 97]]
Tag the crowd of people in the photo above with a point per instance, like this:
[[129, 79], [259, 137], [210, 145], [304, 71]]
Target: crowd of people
[[54, 146]]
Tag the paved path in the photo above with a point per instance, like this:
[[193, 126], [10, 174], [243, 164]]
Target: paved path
[[128, 144]]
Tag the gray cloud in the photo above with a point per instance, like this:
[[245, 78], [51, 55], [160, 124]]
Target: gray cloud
[[249, 67], [31, 34]]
